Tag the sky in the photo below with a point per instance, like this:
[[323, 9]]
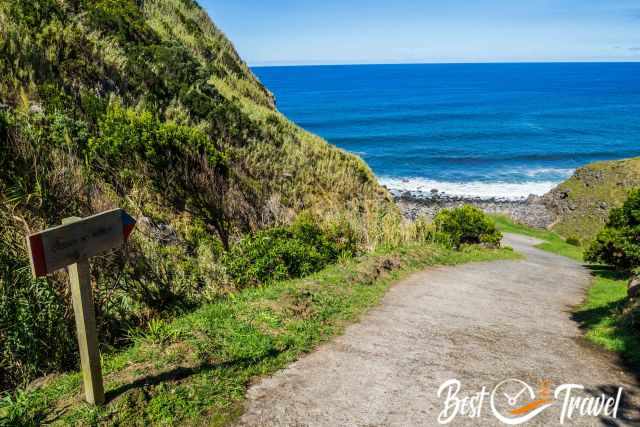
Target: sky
[[298, 32]]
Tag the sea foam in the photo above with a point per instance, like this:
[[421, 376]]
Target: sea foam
[[476, 189]]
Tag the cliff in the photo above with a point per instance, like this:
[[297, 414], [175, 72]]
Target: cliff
[[582, 203]]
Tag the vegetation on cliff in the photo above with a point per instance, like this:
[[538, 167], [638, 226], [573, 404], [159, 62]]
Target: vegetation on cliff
[[582, 203], [145, 105]]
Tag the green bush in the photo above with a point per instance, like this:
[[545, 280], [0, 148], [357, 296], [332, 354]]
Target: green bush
[[467, 225], [287, 252], [618, 244], [126, 133]]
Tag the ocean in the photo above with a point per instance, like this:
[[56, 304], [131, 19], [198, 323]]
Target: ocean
[[477, 130]]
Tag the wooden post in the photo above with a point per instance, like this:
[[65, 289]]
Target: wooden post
[[84, 309], [71, 245]]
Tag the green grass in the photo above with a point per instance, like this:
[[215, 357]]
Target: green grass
[[606, 315], [552, 241], [196, 369]]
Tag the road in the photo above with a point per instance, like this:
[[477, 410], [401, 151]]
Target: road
[[478, 323]]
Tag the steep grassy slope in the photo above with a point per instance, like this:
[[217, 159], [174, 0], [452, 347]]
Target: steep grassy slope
[[582, 203], [144, 104]]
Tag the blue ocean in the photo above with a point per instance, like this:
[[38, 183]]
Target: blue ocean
[[487, 130]]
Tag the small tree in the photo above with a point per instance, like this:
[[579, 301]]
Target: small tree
[[618, 244]]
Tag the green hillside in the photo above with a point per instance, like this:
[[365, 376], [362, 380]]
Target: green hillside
[[582, 203], [146, 105]]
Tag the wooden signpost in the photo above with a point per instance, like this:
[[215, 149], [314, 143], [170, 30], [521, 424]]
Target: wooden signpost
[[71, 245]]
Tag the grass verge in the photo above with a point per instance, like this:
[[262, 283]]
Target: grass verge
[[606, 316], [552, 242], [195, 369]]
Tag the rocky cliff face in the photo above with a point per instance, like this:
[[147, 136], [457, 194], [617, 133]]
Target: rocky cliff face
[[582, 203]]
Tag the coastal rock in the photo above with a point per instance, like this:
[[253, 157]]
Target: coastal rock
[[534, 199], [530, 211], [633, 290]]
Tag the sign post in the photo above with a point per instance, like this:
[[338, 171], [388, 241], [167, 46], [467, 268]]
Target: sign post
[[71, 245]]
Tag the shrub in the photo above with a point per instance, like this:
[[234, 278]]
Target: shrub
[[467, 225], [618, 244], [126, 133], [287, 252], [184, 164]]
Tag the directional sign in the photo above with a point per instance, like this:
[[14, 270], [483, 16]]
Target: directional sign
[[67, 244], [71, 245]]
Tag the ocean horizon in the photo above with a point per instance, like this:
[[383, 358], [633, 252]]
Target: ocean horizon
[[503, 130]]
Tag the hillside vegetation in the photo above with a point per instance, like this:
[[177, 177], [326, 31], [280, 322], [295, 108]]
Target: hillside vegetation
[[582, 203], [145, 105]]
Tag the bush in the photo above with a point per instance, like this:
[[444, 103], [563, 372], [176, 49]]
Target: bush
[[287, 252], [618, 244], [127, 133], [467, 225]]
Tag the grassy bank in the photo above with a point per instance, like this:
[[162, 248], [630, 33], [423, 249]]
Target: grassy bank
[[196, 369], [606, 315]]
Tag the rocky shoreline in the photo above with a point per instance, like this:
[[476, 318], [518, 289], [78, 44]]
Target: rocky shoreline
[[531, 211]]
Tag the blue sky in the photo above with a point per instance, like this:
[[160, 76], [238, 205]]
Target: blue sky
[[396, 31]]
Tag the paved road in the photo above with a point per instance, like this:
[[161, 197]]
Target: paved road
[[478, 323]]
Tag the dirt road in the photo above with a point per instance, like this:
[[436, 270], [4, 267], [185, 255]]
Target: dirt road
[[479, 323]]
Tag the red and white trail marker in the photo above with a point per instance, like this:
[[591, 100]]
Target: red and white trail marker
[[61, 246], [71, 245]]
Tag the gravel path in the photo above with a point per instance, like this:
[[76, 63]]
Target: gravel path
[[479, 323]]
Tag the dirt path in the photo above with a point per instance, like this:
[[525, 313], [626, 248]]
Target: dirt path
[[479, 323]]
